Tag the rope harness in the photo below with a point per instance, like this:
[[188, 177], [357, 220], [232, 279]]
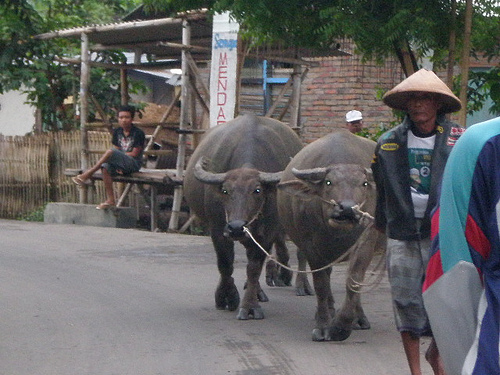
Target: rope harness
[[364, 219]]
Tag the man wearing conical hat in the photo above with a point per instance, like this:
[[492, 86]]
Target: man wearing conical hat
[[408, 166]]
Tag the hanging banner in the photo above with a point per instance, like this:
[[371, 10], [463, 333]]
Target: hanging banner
[[223, 69]]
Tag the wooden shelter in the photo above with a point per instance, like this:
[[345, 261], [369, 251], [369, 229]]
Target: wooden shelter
[[183, 41]]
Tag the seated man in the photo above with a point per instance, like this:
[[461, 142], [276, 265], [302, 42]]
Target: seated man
[[124, 157]]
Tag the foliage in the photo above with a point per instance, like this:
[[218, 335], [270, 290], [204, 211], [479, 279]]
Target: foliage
[[379, 28], [375, 26], [29, 64], [483, 85], [295, 22], [375, 131], [35, 215]]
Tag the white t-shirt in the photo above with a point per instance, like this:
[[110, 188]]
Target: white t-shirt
[[420, 158]]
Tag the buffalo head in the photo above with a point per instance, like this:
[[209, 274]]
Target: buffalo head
[[242, 192], [342, 189]]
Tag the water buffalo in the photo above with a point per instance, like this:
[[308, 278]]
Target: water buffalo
[[320, 197], [230, 183]]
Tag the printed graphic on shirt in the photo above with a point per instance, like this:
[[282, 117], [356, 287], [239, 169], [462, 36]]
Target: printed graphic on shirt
[[420, 169], [126, 143], [420, 159]]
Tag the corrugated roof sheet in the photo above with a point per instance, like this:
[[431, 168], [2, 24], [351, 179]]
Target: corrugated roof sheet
[[162, 37]]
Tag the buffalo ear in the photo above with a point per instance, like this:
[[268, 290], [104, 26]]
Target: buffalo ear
[[297, 188]]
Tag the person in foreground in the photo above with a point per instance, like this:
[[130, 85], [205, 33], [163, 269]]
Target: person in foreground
[[354, 121], [462, 286], [124, 157], [407, 167]]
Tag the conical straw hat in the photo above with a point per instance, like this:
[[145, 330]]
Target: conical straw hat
[[422, 81]]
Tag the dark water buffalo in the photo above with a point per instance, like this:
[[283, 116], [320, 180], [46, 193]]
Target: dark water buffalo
[[230, 184], [320, 197]]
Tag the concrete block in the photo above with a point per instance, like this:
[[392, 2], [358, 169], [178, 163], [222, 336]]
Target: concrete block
[[87, 214]]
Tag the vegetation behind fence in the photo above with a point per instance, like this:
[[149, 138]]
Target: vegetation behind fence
[[32, 170]]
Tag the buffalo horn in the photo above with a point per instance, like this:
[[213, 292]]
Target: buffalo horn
[[205, 176], [314, 174], [270, 178]]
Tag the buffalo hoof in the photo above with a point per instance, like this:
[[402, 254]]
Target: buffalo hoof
[[302, 286], [285, 277], [255, 313], [338, 334], [271, 273], [227, 298], [303, 292], [361, 323], [277, 275], [261, 296], [319, 334]]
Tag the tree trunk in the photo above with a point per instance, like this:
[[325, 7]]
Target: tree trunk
[[406, 57], [464, 66], [452, 44]]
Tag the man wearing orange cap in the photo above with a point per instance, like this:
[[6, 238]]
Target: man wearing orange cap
[[408, 166]]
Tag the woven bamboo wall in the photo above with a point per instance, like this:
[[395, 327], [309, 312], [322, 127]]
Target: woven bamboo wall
[[24, 174], [32, 170]]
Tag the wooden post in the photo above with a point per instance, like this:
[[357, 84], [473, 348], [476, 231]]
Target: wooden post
[[152, 208], [84, 86], [123, 189], [295, 102], [124, 86], [184, 115]]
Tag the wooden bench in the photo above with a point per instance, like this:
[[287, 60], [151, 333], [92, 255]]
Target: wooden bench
[[151, 177]]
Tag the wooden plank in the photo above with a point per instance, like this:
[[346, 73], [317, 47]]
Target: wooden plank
[[144, 176]]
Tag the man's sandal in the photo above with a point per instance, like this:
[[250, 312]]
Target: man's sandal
[[105, 206], [80, 182]]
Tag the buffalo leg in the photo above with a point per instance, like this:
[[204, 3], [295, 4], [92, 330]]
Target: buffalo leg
[[226, 294], [325, 301], [351, 315], [250, 303], [277, 275], [302, 285]]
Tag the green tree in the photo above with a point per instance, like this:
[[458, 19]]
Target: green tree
[[408, 29], [30, 64]]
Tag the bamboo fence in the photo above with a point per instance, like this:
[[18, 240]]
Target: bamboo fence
[[32, 170]]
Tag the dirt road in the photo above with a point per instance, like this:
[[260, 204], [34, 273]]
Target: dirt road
[[80, 300]]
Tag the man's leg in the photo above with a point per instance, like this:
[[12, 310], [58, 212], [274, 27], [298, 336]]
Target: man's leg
[[411, 345], [108, 187], [89, 172], [432, 356]]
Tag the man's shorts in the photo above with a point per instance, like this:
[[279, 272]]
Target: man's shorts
[[120, 163], [406, 265]]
